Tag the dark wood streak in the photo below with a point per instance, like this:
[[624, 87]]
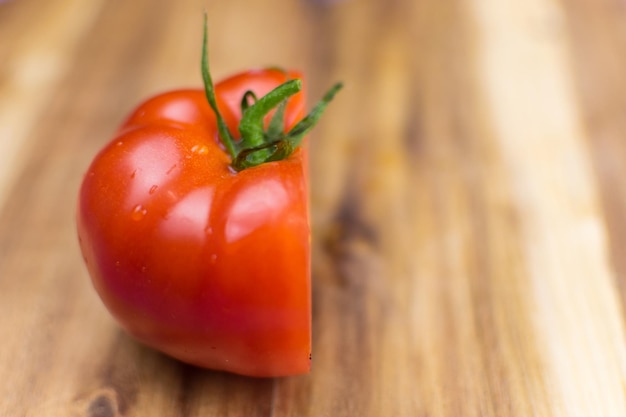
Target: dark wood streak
[[119, 376], [345, 305], [413, 128], [189, 376], [598, 37], [322, 41], [349, 236]]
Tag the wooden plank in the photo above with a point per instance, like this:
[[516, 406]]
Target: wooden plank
[[467, 200], [598, 31], [537, 125], [32, 69]]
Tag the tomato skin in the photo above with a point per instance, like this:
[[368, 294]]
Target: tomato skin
[[193, 259]]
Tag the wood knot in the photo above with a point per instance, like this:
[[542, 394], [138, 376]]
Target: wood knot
[[103, 402], [102, 406], [351, 243], [349, 228]]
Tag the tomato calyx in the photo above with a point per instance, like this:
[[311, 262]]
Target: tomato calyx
[[256, 144]]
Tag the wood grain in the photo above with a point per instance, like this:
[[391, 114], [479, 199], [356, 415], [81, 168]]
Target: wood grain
[[467, 199]]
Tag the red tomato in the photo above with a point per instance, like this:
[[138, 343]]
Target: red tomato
[[206, 264]]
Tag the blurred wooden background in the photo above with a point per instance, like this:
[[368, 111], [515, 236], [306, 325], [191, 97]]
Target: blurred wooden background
[[468, 201]]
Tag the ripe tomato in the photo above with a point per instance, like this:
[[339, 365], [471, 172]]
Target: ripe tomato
[[206, 264], [197, 240]]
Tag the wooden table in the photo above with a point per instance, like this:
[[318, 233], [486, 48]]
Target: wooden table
[[468, 202]]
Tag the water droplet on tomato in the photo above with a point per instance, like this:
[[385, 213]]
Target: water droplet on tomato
[[200, 149], [138, 213], [153, 189], [208, 230], [120, 143]]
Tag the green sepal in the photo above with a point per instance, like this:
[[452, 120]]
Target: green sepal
[[277, 124], [245, 100], [258, 145], [304, 126], [251, 126]]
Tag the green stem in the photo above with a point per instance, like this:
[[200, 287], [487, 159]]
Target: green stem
[[225, 136], [258, 145], [277, 125]]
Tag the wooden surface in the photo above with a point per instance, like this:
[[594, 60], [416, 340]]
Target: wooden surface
[[468, 203]]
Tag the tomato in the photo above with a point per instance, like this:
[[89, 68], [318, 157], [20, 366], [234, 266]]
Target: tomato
[[197, 239], [171, 236]]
